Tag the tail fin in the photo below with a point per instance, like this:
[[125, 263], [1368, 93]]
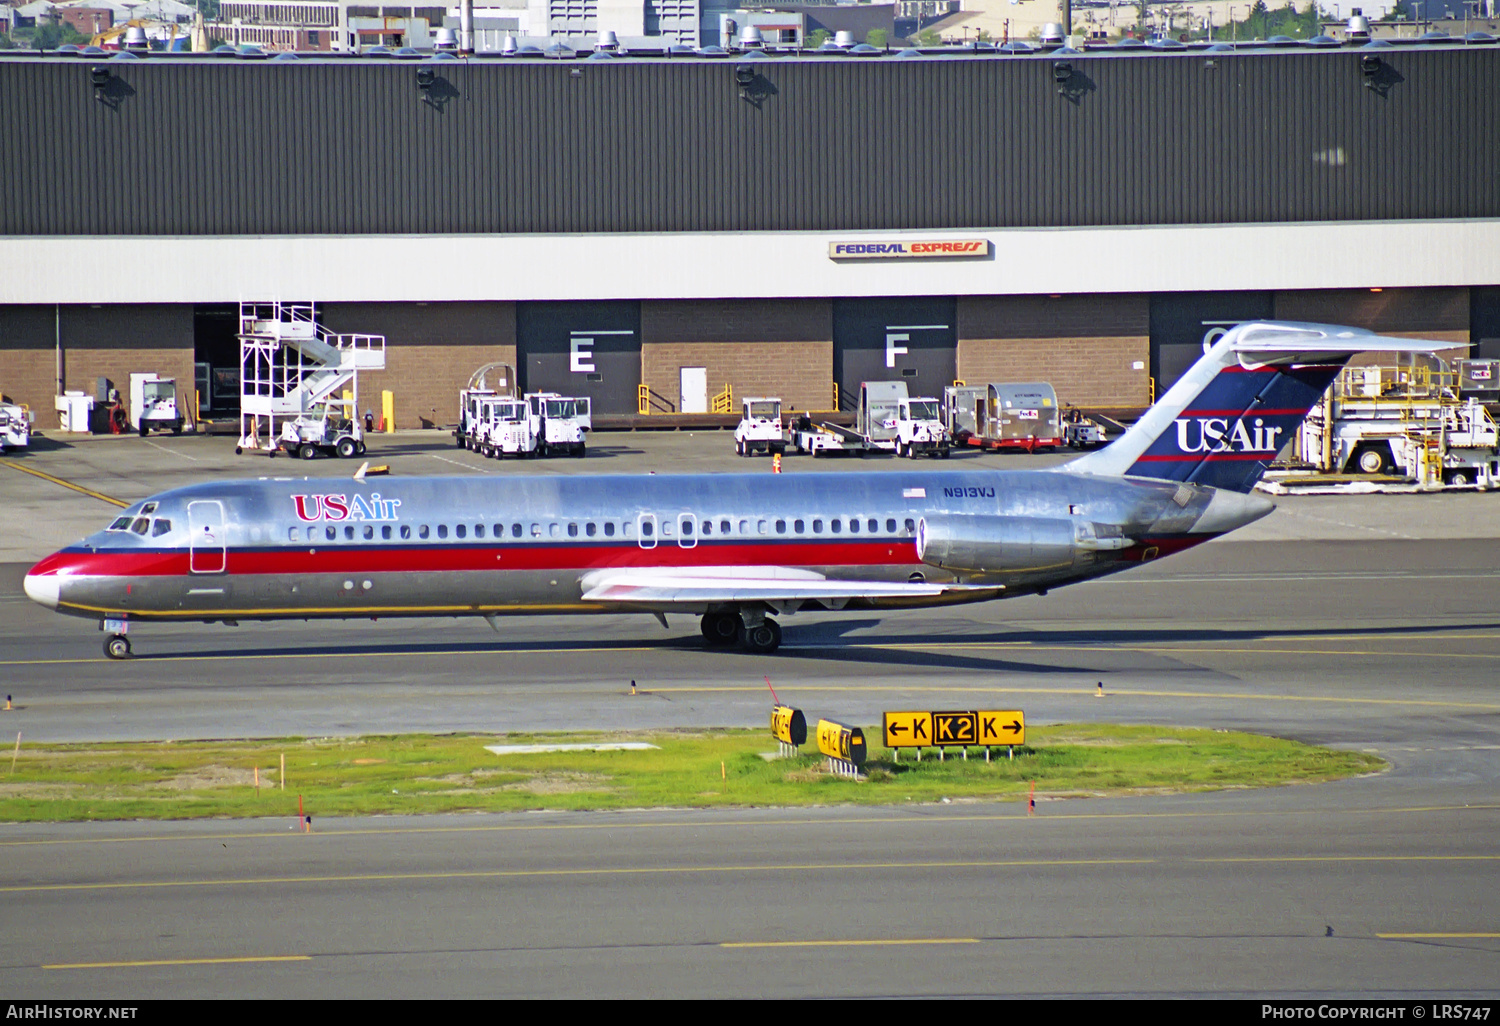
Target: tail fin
[[1225, 420]]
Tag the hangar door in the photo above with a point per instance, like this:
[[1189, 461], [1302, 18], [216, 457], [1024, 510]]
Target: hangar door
[[906, 339], [588, 348], [1182, 321]]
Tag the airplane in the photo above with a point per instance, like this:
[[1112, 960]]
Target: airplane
[[737, 550]]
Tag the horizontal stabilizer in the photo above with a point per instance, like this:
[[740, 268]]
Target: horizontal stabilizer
[[1225, 420]]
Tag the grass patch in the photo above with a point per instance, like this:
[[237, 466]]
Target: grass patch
[[416, 774]]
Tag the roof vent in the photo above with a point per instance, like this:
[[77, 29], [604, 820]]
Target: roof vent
[[1052, 34], [608, 41], [447, 39], [135, 38], [509, 46], [1358, 29], [843, 39], [750, 38]]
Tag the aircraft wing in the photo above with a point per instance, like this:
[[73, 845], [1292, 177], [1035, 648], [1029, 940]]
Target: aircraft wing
[[653, 587]]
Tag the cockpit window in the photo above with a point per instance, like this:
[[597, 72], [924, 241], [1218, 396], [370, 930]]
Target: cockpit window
[[160, 527], [148, 509], [141, 525], [120, 524]]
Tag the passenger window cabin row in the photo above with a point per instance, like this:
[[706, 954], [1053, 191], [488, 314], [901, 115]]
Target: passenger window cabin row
[[649, 528]]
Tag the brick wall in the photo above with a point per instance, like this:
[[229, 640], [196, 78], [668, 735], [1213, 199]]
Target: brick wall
[[800, 373], [117, 341], [431, 349], [28, 359], [1091, 372]]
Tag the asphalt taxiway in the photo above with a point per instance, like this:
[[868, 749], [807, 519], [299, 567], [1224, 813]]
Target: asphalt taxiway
[[1366, 623]]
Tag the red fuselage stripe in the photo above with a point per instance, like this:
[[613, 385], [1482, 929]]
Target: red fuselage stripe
[[391, 557]]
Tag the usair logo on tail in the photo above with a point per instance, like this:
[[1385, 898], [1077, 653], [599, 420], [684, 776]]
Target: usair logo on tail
[[1215, 434]]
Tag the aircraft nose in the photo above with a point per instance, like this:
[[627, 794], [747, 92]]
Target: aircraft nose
[[43, 589]]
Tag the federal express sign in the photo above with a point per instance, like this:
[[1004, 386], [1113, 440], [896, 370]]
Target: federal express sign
[[906, 250]]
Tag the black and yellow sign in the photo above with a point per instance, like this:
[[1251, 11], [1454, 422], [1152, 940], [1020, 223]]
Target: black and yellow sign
[[954, 729], [1002, 727], [788, 725], [907, 729], [839, 741]]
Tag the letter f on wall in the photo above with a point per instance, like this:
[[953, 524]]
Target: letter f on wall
[[891, 349]]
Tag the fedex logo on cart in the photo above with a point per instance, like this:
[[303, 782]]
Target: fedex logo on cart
[[1216, 435], [345, 507]]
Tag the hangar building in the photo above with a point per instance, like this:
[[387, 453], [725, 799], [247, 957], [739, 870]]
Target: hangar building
[[781, 224]]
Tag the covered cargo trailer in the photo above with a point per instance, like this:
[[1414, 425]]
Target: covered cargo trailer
[[1020, 415]]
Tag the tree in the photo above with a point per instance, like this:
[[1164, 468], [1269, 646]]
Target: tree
[[878, 37], [816, 38], [929, 37]]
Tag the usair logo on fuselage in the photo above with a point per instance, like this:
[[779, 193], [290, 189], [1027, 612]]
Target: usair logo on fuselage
[[345, 507]]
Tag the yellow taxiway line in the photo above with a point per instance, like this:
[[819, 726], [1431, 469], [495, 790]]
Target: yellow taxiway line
[[923, 822], [180, 961], [623, 871], [66, 484]]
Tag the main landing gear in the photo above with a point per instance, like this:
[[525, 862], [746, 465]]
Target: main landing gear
[[117, 646], [754, 632]]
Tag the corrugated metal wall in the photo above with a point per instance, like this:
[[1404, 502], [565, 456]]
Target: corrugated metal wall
[[230, 147]]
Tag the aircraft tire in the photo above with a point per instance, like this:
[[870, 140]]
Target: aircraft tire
[[763, 638], [308, 451], [347, 449], [720, 628], [117, 646]]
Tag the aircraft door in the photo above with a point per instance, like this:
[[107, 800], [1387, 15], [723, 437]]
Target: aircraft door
[[645, 530], [206, 539], [687, 531]]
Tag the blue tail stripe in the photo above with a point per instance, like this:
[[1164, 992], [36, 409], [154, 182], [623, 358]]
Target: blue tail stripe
[[1209, 444]]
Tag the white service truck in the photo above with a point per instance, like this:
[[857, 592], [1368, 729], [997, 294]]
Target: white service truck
[[560, 422], [15, 425], [470, 402], [505, 429], [154, 404], [919, 429], [759, 429]]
